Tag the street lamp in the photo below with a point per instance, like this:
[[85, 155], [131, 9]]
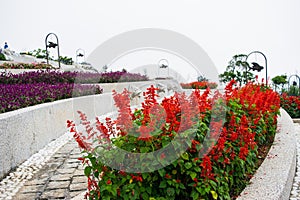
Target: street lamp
[[294, 85], [256, 67], [80, 53], [50, 44], [163, 64]]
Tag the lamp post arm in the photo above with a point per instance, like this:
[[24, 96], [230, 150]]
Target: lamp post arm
[[266, 63]]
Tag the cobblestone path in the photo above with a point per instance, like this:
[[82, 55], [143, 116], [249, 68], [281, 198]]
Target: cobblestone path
[[62, 177]]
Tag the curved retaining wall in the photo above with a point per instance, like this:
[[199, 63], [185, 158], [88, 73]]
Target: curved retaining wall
[[274, 178], [25, 131]]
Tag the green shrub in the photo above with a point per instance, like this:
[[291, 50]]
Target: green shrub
[[2, 57]]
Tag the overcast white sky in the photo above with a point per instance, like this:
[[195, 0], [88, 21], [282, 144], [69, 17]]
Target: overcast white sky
[[221, 28]]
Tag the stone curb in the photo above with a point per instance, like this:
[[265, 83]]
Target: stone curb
[[274, 178]]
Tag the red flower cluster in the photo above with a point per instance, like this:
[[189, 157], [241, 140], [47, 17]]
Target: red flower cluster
[[199, 85], [291, 104], [250, 120]]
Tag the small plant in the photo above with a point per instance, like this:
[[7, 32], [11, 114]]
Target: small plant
[[2, 57], [294, 90], [202, 79], [237, 70], [39, 53], [66, 60], [291, 104]]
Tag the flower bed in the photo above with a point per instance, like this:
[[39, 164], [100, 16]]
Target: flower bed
[[8, 65], [30, 88], [15, 96], [196, 173], [291, 104], [53, 77], [199, 85]]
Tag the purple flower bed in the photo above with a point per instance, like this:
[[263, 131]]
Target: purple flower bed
[[31, 88], [15, 96], [53, 77], [25, 66]]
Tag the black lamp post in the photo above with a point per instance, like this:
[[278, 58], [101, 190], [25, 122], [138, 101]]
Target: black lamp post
[[163, 64], [256, 67], [294, 84], [80, 53], [50, 44]]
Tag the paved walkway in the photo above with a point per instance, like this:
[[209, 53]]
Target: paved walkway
[[295, 192], [62, 176]]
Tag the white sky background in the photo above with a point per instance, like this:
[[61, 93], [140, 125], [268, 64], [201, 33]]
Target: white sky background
[[221, 28]]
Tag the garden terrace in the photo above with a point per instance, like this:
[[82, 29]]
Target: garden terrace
[[250, 124], [27, 130]]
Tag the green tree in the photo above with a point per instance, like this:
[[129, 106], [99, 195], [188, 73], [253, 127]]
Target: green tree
[[279, 81], [236, 70]]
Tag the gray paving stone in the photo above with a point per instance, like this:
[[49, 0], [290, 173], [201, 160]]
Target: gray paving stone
[[70, 165], [60, 156], [79, 179], [73, 160], [78, 172], [27, 196], [57, 185], [32, 189], [36, 181], [75, 193], [78, 187], [81, 167], [66, 171], [61, 177], [75, 156], [55, 194]]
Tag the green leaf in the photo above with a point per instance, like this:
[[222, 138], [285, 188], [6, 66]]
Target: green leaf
[[193, 175], [185, 156], [145, 149], [197, 169], [162, 172], [194, 194], [182, 186], [188, 165], [170, 191], [87, 170], [145, 196], [163, 184], [214, 194]]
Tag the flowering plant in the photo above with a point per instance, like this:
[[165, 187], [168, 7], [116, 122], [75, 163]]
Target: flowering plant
[[53, 77], [199, 85], [291, 104], [7, 65], [213, 168], [16, 96]]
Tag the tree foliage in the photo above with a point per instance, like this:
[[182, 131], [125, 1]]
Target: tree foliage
[[280, 80], [237, 70]]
